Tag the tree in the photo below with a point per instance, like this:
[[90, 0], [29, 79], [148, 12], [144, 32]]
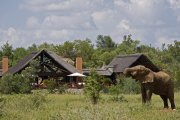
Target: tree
[[128, 45], [93, 86], [84, 49], [19, 53], [32, 48], [175, 50], [7, 50], [66, 50], [105, 42], [46, 46], [7, 84]]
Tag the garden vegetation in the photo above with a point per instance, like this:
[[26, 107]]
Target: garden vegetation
[[18, 100]]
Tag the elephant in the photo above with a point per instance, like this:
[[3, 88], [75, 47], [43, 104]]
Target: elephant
[[158, 83]]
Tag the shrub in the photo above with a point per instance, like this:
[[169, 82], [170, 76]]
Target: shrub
[[130, 86], [62, 88], [19, 83], [93, 86], [15, 84], [116, 91], [51, 85], [124, 85], [7, 84], [22, 84]]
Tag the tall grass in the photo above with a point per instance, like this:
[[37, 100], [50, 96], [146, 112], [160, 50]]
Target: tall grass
[[42, 106]]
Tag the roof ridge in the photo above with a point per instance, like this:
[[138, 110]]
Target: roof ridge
[[130, 55]]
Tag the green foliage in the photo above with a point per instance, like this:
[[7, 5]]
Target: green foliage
[[18, 54], [23, 84], [82, 47], [7, 50], [51, 85], [93, 86], [37, 99], [32, 48], [175, 50], [15, 84], [130, 86], [124, 85], [6, 84], [66, 50], [116, 92], [19, 83], [75, 107], [62, 88], [46, 46], [95, 56], [105, 43], [30, 72], [128, 46]]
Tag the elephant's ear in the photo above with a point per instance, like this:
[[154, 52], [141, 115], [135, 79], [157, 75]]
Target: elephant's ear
[[149, 77], [127, 72]]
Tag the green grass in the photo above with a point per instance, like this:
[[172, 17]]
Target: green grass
[[43, 106]]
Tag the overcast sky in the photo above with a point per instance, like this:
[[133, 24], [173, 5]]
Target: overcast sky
[[24, 22]]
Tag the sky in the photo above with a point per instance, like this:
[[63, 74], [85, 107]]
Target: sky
[[24, 22]]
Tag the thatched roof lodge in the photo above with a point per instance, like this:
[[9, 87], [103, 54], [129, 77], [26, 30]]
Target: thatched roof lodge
[[119, 63], [50, 65], [54, 66]]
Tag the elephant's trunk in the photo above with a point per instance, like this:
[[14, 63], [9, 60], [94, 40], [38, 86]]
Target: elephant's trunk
[[127, 72]]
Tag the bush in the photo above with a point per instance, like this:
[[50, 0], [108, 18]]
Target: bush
[[130, 86], [7, 84], [51, 85], [124, 85], [22, 84], [62, 88], [15, 84], [19, 83], [116, 91], [93, 86]]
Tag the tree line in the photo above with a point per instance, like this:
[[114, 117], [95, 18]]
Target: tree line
[[100, 53]]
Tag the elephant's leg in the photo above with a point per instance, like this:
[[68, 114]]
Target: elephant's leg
[[171, 96], [171, 99], [143, 93], [172, 103], [148, 95], [165, 100]]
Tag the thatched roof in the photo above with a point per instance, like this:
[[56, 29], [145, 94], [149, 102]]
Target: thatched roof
[[125, 61], [101, 71], [119, 63], [57, 59]]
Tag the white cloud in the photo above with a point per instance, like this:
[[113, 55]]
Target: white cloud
[[25, 38], [105, 19], [11, 35], [54, 5], [175, 4], [124, 25], [76, 21], [32, 22], [58, 20]]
